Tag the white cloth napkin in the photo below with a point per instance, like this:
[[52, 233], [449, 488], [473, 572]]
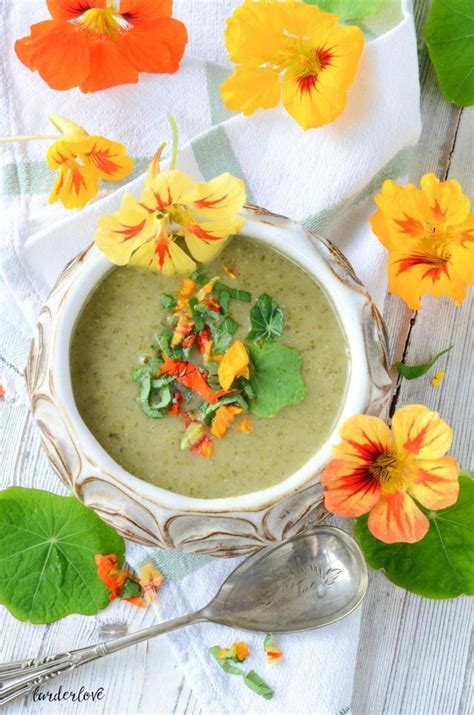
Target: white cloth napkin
[[324, 177]]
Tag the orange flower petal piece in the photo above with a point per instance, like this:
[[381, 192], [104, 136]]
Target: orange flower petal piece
[[243, 425], [223, 418], [421, 432], [234, 364], [240, 651]]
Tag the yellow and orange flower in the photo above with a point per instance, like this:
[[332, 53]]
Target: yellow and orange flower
[[386, 472], [290, 51], [96, 44], [429, 233], [240, 651], [81, 161], [173, 206]]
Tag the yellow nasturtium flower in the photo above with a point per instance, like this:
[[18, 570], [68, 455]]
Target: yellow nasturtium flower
[[294, 52], [147, 232], [81, 160], [429, 233]]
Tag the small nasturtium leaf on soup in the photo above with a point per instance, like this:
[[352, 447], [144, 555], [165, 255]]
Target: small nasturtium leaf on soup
[[266, 318], [410, 372], [449, 35], [348, 9], [441, 564], [275, 376], [48, 545]]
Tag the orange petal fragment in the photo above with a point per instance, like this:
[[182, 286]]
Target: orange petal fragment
[[437, 379], [183, 328], [243, 425], [110, 574], [274, 654], [240, 651], [150, 580], [189, 376], [223, 418], [234, 364]]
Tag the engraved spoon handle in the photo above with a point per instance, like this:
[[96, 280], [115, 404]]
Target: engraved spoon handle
[[29, 674]]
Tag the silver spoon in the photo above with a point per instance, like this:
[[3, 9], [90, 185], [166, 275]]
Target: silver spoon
[[308, 581]]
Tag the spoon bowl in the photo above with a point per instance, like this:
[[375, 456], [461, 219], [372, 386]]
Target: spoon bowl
[[309, 581]]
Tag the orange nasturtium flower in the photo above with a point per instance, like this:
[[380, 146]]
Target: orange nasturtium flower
[[145, 232], [293, 51], [429, 233], [81, 160], [382, 471], [96, 44]]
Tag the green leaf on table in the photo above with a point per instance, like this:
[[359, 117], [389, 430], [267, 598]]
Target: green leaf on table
[[449, 36], [441, 564], [275, 376], [266, 319], [222, 334], [410, 372], [348, 9], [253, 681], [48, 545]]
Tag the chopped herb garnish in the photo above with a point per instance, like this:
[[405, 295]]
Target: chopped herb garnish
[[266, 318], [224, 300], [222, 335], [168, 301], [253, 681], [234, 293], [201, 278], [196, 314], [162, 343]]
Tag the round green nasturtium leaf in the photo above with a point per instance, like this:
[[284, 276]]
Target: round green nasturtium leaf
[[449, 36], [441, 565], [48, 545]]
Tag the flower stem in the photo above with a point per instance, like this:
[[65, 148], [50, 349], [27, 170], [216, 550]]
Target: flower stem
[[28, 138], [175, 142]]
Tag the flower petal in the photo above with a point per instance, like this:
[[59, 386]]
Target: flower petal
[[307, 103], [58, 51], [157, 46], [364, 437], [254, 33], [207, 238], [446, 200], [420, 431], [220, 197], [350, 489], [168, 188], [163, 255], [107, 158], [75, 185], [72, 9], [108, 67], [397, 518], [119, 234], [249, 89], [398, 219], [234, 363], [142, 12], [437, 485]]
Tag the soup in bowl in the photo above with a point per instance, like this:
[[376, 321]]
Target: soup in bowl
[[163, 458]]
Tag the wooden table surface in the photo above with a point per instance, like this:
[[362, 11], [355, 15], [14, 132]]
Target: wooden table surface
[[415, 654]]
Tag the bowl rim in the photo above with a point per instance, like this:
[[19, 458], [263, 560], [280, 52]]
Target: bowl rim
[[347, 304]]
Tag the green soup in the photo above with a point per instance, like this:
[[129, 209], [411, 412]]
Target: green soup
[[114, 332]]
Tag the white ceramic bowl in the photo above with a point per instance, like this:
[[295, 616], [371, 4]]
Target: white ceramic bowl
[[154, 516]]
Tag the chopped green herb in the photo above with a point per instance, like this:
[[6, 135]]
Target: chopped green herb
[[162, 343], [253, 681], [199, 277], [131, 589], [193, 434], [222, 335], [410, 372], [266, 318], [167, 301], [223, 298], [197, 317], [234, 293], [207, 410], [275, 376], [246, 388], [267, 640], [161, 398], [215, 651]]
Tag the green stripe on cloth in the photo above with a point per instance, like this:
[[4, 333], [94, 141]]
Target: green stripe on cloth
[[174, 565], [396, 168], [215, 75], [35, 177], [214, 155]]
